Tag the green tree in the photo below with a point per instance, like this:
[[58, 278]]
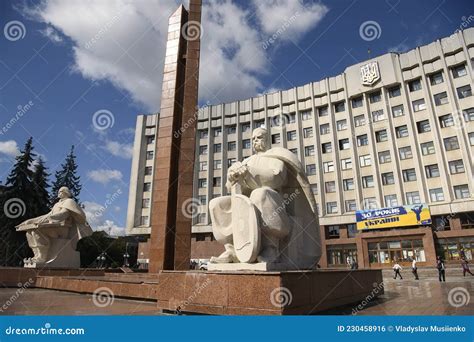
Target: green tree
[[41, 185], [67, 176]]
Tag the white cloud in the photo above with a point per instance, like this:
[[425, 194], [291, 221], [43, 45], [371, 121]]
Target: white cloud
[[123, 41], [118, 149], [104, 176], [95, 216], [9, 147], [52, 34]]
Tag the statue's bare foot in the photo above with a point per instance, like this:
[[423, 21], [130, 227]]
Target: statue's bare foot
[[227, 257]]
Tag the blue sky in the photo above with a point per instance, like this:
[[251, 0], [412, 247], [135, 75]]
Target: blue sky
[[70, 59]]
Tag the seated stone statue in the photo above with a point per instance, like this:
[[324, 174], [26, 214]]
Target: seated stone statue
[[53, 237], [270, 217]]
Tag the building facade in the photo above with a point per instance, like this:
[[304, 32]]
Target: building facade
[[395, 130]]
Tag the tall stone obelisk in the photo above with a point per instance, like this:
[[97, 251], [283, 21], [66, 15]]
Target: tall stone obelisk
[[170, 243]]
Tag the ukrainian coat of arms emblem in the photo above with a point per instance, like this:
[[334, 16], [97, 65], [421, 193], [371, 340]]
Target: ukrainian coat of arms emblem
[[369, 73]]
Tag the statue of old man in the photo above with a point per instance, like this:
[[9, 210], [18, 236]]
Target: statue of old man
[[269, 220], [53, 237]]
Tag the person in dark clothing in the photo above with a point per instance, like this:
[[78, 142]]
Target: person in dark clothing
[[354, 264], [397, 268], [414, 269], [441, 269], [465, 267]]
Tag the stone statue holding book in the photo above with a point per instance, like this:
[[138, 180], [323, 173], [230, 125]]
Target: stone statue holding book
[[53, 237]]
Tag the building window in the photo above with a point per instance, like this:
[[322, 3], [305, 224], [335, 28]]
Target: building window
[[203, 150], [328, 167], [419, 105], [324, 129], [368, 182], [409, 175], [146, 203], [291, 135], [423, 126], [375, 97], [330, 186], [326, 147], [231, 161], [464, 91], [348, 184], [436, 195], [339, 107], [144, 221], [350, 205], [436, 78], [369, 203], [306, 115], [203, 166], [456, 166], [245, 127], [276, 138], [231, 129], [461, 191], [388, 178], [331, 207], [201, 218], [414, 85], [291, 118], [218, 148], [471, 138], [427, 148], [387, 252], [203, 134], [451, 143], [314, 189], [344, 144], [202, 199], [391, 200], [231, 146], [450, 248], [405, 152], [385, 157], [216, 182], [359, 120], [365, 160], [309, 151], [346, 164], [446, 120], [150, 139], [294, 150], [341, 255], [148, 170], [217, 164], [259, 123], [468, 114], [341, 125], [413, 197], [397, 111], [459, 71], [362, 140], [441, 98], [394, 92], [308, 132], [146, 187], [378, 115], [432, 171], [217, 131], [323, 111], [149, 155], [381, 136], [401, 131], [311, 169], [246, 144], [202, 183], [357, 102]]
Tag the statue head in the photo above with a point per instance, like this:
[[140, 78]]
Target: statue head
[[64, 192], [259, 139]]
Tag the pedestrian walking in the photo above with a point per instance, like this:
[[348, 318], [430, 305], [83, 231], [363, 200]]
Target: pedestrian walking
[[397, 268], [465, 267], [354, 265], [414, 269], [441, 269]]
